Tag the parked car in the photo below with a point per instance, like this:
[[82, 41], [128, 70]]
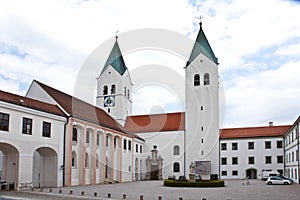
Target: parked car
[[281, 176], [277, 180]]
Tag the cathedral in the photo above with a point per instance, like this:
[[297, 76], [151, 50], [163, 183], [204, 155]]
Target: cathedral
[[52, 139]]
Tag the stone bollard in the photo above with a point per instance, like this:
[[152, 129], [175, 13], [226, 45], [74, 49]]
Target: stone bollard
[[71, 192], [50, 190], [59, 191], [159, 198], [141, 197], [82, 193], [95, 194], [124, 196], [109, 195]]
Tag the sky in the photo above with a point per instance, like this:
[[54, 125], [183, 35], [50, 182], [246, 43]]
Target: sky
[[257, 44]]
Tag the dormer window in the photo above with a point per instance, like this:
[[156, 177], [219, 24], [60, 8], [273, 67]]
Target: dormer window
[[196, 80]]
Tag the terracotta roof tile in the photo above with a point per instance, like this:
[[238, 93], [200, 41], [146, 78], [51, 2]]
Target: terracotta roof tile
[[83, 110], [30, 103], [251, 132], [156, 122]]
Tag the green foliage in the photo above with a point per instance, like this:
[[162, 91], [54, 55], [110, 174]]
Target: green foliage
[[204, 183]]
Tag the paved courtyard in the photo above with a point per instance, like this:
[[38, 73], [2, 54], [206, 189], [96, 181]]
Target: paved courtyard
[[151, 190]]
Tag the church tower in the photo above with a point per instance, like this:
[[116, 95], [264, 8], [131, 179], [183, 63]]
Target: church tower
[[202, 109], [114, 86]]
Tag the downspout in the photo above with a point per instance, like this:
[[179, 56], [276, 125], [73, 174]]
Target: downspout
[[297, 133], [64, 150], [184, 153]]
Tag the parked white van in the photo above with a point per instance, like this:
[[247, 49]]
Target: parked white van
[[267, 174]]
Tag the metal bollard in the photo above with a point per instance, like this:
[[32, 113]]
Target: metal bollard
[[180, 198], [159, 198], [203, 198], [82, 193], [71, 192], [124, 196], [109, 195], [141, 197], [42, 189], [59, 191], [50, 190], [95, 194]]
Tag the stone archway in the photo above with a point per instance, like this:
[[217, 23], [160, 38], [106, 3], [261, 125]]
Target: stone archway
[[251, 173], [45, 167], [10, 164]]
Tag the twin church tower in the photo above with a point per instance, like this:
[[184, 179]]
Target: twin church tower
[[201, 130]]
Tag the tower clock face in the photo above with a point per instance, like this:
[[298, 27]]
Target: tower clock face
[[109, 101]]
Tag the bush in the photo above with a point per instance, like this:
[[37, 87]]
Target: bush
[[203, 183]]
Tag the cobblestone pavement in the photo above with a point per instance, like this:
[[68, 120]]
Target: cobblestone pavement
[[151, 190]]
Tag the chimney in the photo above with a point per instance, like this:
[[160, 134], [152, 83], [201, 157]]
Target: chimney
[[270, 123]]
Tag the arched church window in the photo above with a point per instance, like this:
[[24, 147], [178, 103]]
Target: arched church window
[[196, 80], [176, 167], [206, 79], [86, 164], [176, 150], [128, 93], [87, 137], [74, 159], [125, 90], [105, 90], [113, 89], [97, 161], [74, 135]]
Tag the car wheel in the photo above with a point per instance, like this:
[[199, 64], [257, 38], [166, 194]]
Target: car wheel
[[269, 183], [285, 183]]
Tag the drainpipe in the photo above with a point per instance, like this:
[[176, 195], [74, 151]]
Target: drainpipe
[[184, 153], [64, 150], [297, 133]]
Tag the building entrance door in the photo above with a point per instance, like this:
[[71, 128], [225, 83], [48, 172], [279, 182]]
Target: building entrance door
[[251, 173], [154, 172]]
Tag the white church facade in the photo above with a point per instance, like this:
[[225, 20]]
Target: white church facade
[[92, 144]]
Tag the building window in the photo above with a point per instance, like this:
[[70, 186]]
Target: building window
[[250, 145], [234, 160], [206, 79], [267, 144], [86, 160], [223, 161], [74, 135], [98, 139], [27, 126], [129, 145], [224, 173], [125, 144], [292, 156], [196, 80], [113, 89], [136, 148], [297, 155], [4, 122], [279, 144], [141, 149], [105, 90], [97, 161], [115, 142], [235, 146], [250, 160], [223, 146], [125, 90], [74, 159], [128, 94], [107, 140], [279, 159], [46, 129], [176, 150], [176, 167], [87, 137], [268, 159], [235, 173]]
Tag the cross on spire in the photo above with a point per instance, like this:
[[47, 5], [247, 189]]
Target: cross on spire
[[117, 34], [200, 18]]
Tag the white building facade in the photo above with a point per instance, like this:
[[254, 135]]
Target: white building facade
[[31, 141], [291, 148]]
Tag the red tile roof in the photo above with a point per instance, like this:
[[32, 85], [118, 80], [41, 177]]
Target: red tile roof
[[252, 132], [83, 110], [30, 103], [156, 122]]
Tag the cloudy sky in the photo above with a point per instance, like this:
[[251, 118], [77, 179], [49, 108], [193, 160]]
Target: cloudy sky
[[257, 44]]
